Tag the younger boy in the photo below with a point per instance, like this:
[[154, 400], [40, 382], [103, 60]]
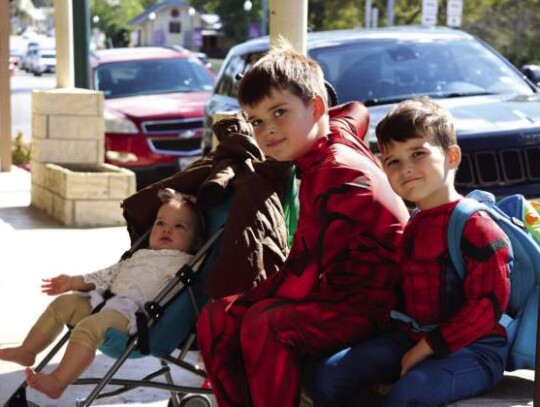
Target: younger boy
[[452, 346], [337, 284], [177, 231]]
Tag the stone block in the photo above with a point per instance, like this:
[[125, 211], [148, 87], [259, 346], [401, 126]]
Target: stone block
[[41, 198], [82, 195], [76, 127], [39, 126], [67, 101], [122, 182], [68, 151], [38, 173], [63, 210]]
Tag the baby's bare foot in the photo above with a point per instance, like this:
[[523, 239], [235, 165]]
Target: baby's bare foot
[[18, 355], [47, 384]]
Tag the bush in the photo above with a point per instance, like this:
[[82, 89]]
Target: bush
[[20, 150]]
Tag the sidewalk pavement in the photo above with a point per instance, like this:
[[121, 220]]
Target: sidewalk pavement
[[33, 246]]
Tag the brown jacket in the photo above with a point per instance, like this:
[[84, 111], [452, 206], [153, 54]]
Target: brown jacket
[[254, 241]]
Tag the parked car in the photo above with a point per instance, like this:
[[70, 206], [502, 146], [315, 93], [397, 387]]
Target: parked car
[[31, 49], [154, 107], [495, 107], [532, 72], [42, 61]]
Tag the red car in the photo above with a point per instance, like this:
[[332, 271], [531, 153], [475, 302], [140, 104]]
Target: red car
[[154, 107]]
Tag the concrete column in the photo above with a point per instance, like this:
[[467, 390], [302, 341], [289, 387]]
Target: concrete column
[[5, 92], [63, 22], [288, 18]]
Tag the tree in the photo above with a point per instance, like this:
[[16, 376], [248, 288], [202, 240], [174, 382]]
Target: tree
[[113, 18]]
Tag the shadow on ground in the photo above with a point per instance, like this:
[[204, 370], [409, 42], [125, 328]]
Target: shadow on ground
[[133, 369]]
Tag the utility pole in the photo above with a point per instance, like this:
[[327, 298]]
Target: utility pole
[[63, 25], [5, 93], [390, 13], [264, 19], [367, 14], [81, 39]]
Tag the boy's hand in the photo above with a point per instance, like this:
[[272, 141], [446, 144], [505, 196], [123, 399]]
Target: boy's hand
[[416, 354], [56, 285]]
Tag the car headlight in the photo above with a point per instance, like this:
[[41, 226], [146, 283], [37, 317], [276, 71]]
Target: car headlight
[[116, 123]]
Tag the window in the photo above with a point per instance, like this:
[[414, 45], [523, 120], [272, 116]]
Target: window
[[175, 27], [228, 85]]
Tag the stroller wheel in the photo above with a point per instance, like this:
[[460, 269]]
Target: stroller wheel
[[192, 400]]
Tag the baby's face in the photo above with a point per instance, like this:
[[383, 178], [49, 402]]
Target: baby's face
[[174, 228]]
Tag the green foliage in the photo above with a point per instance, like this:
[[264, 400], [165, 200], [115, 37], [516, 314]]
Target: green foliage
[[510, 26], [342, 14], [20, 150], [113, 18]]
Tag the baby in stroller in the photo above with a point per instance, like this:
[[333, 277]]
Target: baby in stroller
[[178, 231]]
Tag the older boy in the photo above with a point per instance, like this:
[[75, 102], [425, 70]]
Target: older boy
[[453, 347], [337, 285]]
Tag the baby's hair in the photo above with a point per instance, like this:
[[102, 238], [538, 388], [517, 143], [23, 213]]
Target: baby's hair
[[167, 195], [416, 118], [282, 68]]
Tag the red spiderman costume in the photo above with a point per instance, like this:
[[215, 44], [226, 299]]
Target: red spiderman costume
[[336, 286], [466, 310]]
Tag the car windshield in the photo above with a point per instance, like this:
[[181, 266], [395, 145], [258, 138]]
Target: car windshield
[[147, 77], [385, 71]]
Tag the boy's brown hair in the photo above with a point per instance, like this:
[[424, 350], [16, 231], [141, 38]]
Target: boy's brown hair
[[416, 118], [282, 68]]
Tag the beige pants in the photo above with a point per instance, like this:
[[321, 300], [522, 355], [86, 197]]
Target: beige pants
[[74, 310]]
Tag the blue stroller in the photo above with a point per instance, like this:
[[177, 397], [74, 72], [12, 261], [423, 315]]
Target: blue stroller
[[243, 198]]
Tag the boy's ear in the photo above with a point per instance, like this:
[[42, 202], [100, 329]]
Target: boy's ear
[[319, 107], [454, 156]]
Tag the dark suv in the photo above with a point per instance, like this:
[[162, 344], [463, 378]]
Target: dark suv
[[495, 107], [154, 106]]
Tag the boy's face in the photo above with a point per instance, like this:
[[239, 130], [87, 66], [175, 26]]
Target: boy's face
[[420, 171], [284, 126], [174, 228]]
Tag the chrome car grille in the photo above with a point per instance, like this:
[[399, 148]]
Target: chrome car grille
[[171, 126], [176, 146], [499, 168]]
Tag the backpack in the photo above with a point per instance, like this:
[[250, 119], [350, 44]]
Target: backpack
[[521, 316]]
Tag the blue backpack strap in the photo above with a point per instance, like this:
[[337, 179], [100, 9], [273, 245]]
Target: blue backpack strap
[[461, 214], [411, 322]]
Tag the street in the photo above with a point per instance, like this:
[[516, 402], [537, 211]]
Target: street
[[22, 84]]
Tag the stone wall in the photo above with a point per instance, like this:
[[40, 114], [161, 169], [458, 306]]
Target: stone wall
[[70, 180]]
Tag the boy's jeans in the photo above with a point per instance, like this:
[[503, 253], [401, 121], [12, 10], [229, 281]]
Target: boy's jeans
[[433, 382]]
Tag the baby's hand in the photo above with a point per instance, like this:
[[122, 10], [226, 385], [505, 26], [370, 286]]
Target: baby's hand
[[56, 285]]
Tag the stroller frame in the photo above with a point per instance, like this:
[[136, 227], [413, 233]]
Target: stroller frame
[[155, 310]]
